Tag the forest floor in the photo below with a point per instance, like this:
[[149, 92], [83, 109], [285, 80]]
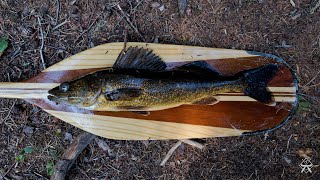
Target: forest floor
[[288, 29]]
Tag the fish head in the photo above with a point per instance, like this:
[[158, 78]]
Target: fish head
[[83, 92]]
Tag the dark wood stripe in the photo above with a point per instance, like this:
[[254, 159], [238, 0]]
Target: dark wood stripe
[[242, 115], [60, 76]]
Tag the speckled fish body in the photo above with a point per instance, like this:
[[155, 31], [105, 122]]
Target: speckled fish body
[[155, 94], [139, 81]]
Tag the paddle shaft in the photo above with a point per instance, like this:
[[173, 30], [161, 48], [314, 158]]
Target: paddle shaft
[[21, 90]]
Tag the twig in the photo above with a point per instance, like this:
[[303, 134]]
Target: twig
[[38, 174], [169, 154], [105, 147], [88, 28], [187, 141], [193, 143], [57, 12], [314, 8], [42, 43], [312, 79], [125, 40], [5, 174], [129, 22], [59, 25], [138, 4], [70, 155], [315, 85], [3, 120], [288, 142]]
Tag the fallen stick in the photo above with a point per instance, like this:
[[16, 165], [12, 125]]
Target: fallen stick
[[42, 43], [70, 155], [124, 14], [175, 146], [193, 143], [169, 154]]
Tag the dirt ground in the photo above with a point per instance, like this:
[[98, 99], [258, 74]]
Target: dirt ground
[[288, 29]]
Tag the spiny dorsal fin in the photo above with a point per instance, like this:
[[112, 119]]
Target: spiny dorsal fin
[[140, 59]]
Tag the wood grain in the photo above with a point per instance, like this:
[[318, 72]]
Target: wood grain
[[105, 55], [138, 129], [232, 116]]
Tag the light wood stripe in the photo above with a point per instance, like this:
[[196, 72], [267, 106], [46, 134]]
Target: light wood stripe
[[23, 85], [132, 129], [274, 94], [246, 98], [283, 89], [106, 54]]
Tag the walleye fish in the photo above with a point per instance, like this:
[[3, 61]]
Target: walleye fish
[[140, 81]]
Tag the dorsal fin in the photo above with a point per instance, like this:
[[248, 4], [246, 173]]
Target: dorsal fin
[[201, 67], [140, 59]]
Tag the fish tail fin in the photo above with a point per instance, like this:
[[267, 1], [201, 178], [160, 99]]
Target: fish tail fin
[[257, 81]]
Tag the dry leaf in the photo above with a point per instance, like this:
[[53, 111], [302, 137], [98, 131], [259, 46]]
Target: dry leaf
[[304, 152]]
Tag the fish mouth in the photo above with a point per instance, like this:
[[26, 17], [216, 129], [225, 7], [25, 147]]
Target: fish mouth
[[54, 96], [54, 99]]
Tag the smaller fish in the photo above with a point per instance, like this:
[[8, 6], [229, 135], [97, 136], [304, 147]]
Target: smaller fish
[[140, 81]]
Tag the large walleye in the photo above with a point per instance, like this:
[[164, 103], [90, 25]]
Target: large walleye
[[140, 81]]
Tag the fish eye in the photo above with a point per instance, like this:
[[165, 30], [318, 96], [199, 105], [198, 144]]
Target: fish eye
[[64, 87]]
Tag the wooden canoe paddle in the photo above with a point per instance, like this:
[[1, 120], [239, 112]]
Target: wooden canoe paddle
[[234, 115]]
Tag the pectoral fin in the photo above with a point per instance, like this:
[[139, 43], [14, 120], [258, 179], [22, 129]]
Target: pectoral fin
[[123, 94], [206, 101]]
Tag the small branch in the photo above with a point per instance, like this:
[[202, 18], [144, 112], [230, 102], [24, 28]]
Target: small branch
[[105, 147], [125, 40], [94, 21], [169, 154], [193, 143], [175, 146], [57, 11], [42, 43], [59, 25], [311, 80], [70, 155], [130, 23], [314, 8], [5, 174]]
